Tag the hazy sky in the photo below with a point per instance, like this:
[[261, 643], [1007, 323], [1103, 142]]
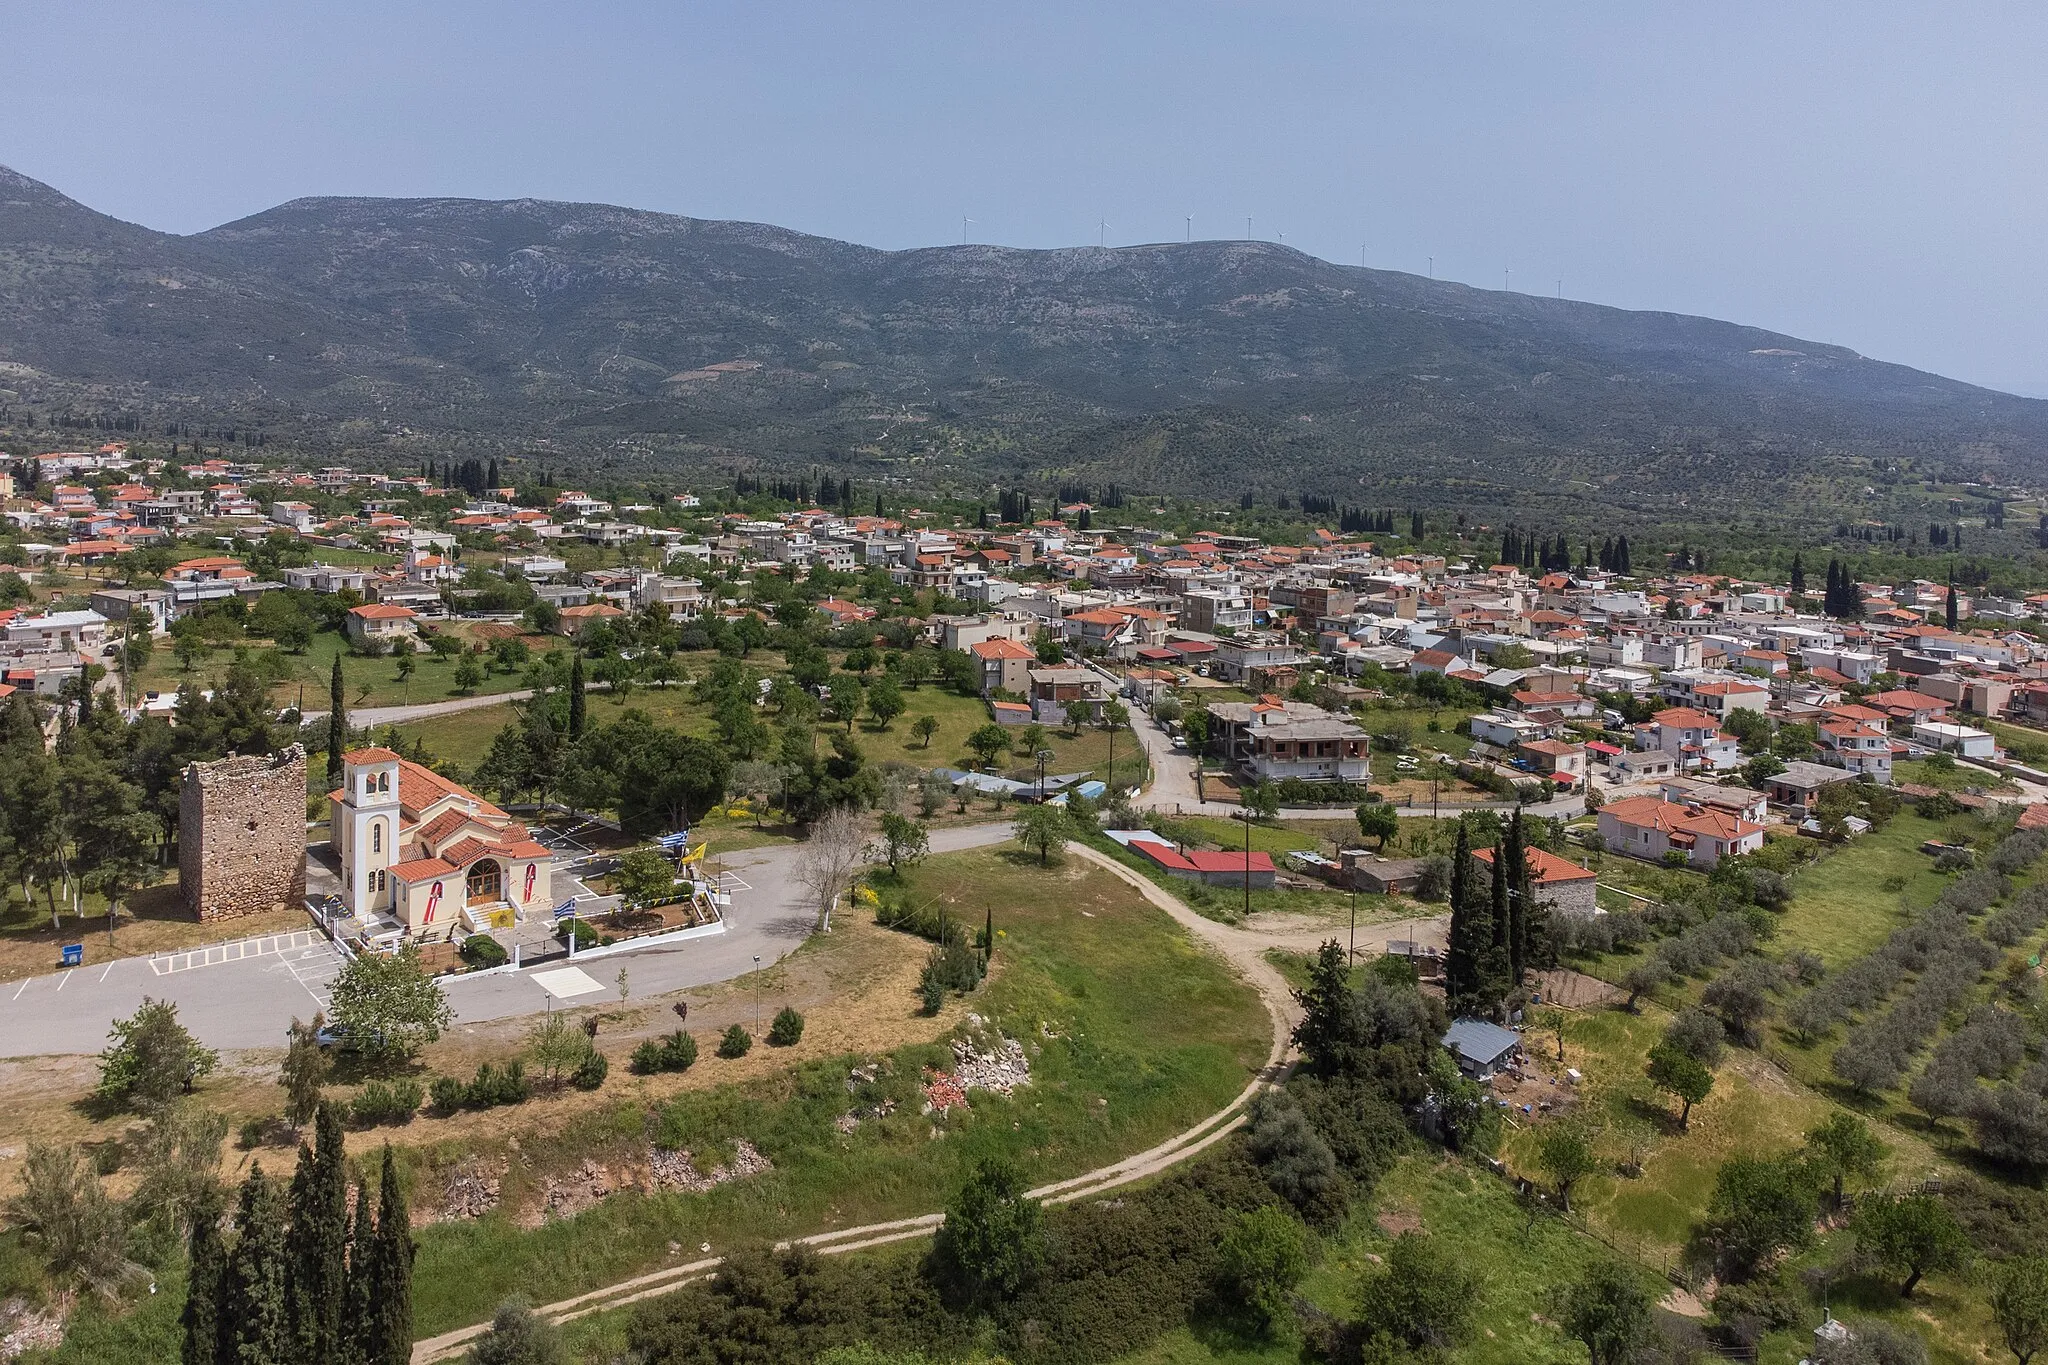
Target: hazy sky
[[1871, 174]]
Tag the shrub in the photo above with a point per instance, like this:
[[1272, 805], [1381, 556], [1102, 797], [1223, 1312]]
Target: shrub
[[1264, 1256], [482, 952], [494, 1085], [1297, 1164], [787, 1028], [583, 932], [676, 1052], [250, 1135], [735, 1042], [591, 1071], [386, 1102], [931, 995], [447, 1094]]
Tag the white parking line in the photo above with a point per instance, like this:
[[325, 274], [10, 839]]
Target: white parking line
[[19, 989], [63, 981], [103, 975]]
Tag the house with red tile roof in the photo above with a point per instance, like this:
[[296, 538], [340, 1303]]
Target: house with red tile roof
[[1005, 665], [1693, 739], [381, 623], [1560, 884], [1648, 827]]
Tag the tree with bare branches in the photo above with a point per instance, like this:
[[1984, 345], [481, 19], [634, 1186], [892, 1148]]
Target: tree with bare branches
[[828, 860]]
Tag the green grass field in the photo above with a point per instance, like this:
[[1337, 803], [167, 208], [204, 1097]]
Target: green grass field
[[1847, 902], [464, 738], [370, 682], [1138, 1032]]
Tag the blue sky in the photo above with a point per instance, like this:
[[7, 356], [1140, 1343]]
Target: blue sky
[[1867, 175]]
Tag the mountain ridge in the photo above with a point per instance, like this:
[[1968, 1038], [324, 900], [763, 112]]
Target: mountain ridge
[[381, 325]]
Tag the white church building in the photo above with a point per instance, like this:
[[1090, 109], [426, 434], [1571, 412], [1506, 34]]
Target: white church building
[[428, 854]]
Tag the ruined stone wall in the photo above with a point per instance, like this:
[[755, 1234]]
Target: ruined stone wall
[[242, 834]]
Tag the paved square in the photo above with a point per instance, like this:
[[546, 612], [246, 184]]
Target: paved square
[[564, 982]]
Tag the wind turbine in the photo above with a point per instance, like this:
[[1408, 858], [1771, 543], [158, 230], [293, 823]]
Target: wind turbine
[[1191, 227], [964, 221], [1503, 279], [1361, 255], [1432, 267], [1102, 232]]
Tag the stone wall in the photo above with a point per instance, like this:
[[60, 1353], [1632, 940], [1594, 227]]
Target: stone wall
[[242, 834]]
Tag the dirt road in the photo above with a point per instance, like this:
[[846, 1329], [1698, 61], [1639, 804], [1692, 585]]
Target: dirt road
[[1244, 949]]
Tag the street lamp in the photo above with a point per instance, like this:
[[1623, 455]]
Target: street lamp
[[757, 992], [1043, 757]]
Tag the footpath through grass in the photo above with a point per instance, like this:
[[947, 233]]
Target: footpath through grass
[[1134, 1033]]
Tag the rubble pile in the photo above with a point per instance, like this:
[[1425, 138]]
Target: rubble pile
[[1001, 1069], [32, 1329], [942, 1092], [982, 1060], [572, 1194], [678, 1170], [469, 1194], [857, 1080]]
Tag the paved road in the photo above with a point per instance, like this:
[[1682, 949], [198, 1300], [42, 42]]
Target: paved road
[[367, 717], [247, 1001], [1244, 949]]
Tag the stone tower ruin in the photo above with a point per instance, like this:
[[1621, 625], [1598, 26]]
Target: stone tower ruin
[[242, 834]]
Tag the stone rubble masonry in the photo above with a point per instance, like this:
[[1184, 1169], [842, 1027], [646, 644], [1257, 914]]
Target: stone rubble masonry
[[242, 834]]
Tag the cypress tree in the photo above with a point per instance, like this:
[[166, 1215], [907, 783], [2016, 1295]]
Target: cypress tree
[[256, 1328], [1621, 560], [1950, 616], [337, 720], [1511, 865], [1471, 935], [1798, 577], [491, 480], [201, 1316], [389, 1339], [358, 1307], [320, 1241], [577, 701]]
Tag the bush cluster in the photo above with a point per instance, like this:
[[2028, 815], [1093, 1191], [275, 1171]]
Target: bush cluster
[[735, 1042], [2019, 917], [481, 951], [1117, 1274], [1862, 982], [1703, 946], [492, 1086], [2018, 850], [1990, 1043], [1876, 1054], [386, 1102], [676, 1052]]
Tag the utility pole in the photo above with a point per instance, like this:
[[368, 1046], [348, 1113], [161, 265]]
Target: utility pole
[[1247, 816]]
